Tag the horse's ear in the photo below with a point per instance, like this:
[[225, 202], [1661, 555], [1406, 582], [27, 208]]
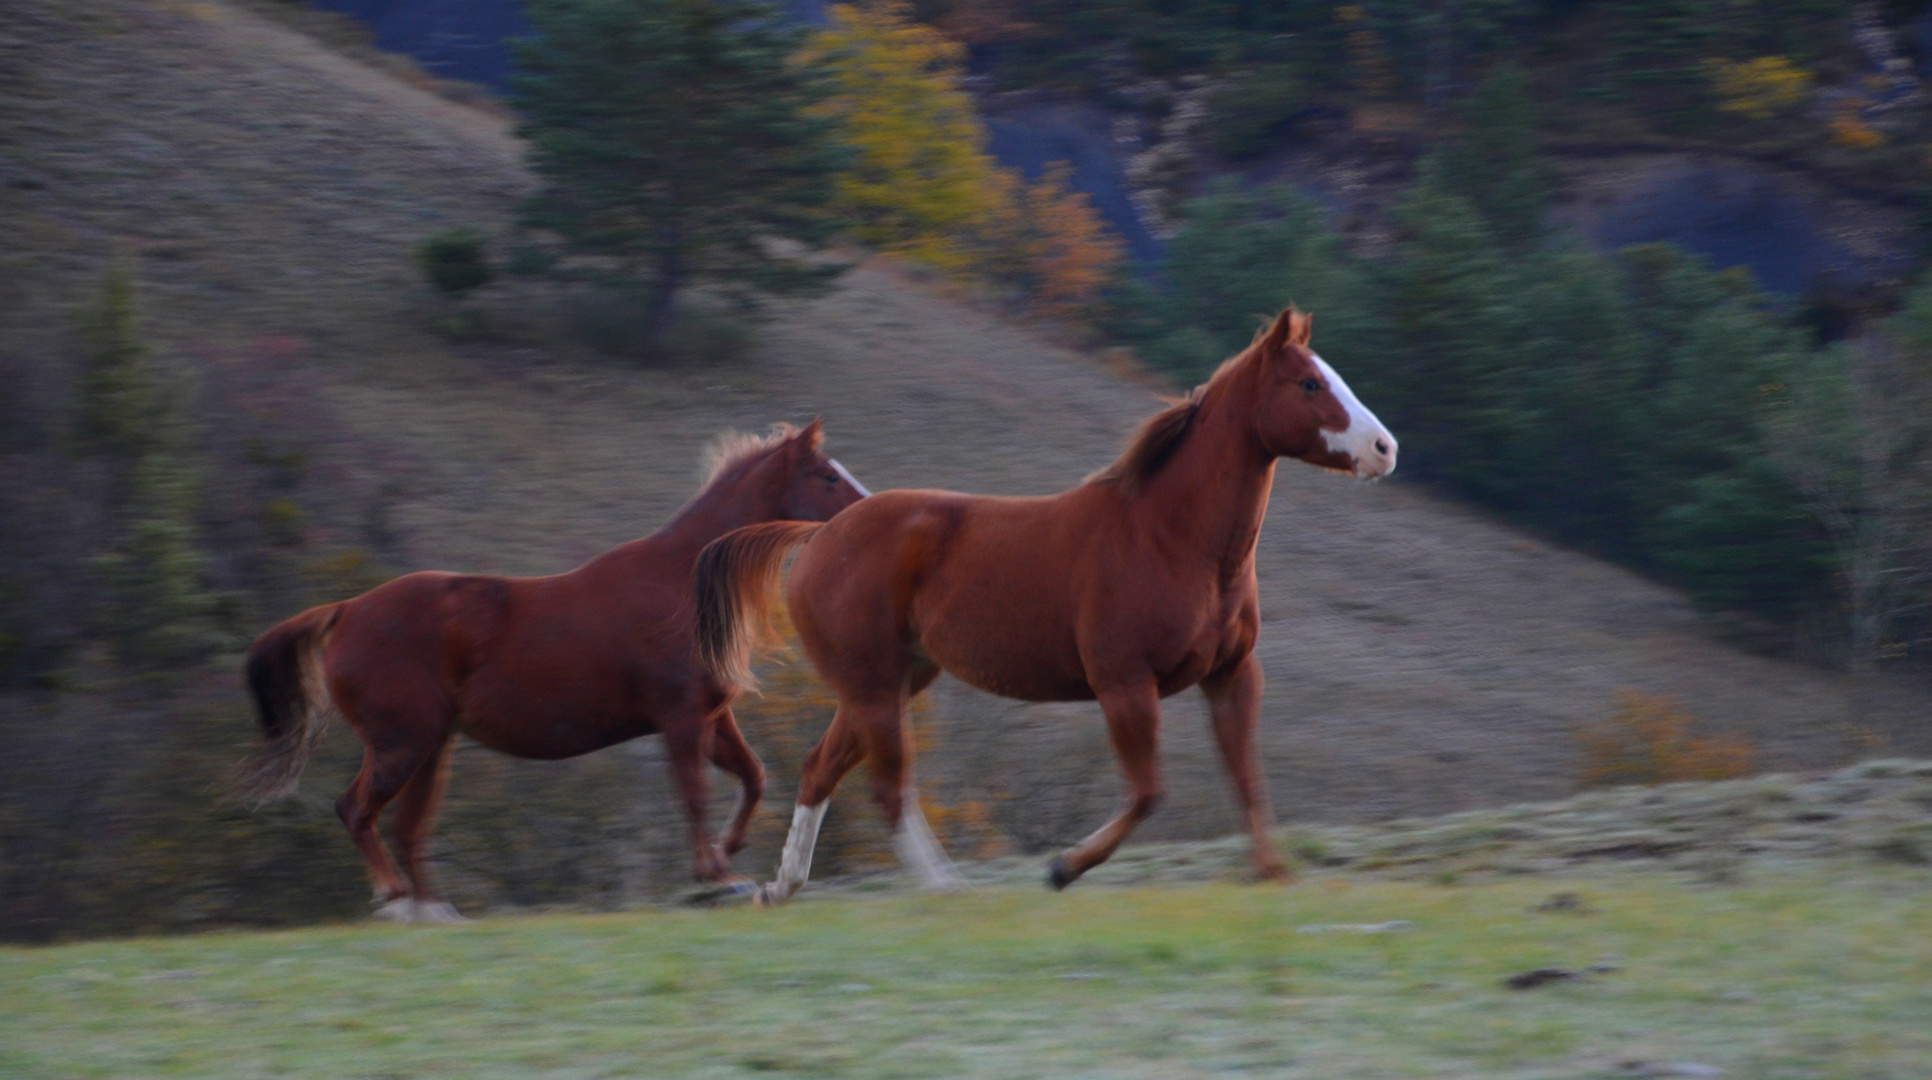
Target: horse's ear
[[811, 437], [1289, 328]]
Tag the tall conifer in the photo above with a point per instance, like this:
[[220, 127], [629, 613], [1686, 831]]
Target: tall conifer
[[677, 145]]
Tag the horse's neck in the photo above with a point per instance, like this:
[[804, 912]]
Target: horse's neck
[[1213, 495], [713, 512]]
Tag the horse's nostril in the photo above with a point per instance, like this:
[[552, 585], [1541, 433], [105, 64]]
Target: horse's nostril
[[1381, 446]]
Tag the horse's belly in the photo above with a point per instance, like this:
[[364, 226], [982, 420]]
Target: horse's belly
[[1010, 666], [1024, 686], [549, 733]]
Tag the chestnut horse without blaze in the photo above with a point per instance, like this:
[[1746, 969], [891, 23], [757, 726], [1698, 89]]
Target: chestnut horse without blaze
[[545, 667], [1131, 587]]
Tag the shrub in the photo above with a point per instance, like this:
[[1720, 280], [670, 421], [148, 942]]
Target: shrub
[[454, 261], [1646, 740], [120, 400]]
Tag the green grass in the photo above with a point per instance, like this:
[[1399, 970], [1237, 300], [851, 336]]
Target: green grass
[[1820, 973]]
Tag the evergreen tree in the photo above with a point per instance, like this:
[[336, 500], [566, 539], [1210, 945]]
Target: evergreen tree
[[678, 143], [1239, 257], [1452, 368], [156, 609], [1495, 163]]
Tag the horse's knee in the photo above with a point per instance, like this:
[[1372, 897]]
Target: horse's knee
[[350, 811], [891, 799], [1144, 803], [752, 781], [815, 787]]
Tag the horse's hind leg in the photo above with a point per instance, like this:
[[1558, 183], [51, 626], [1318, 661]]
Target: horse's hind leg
[[358, 808], [890, 763], [1133, 726], [688, 743], [837, 752], [1234, 702], [401, 731], [416, 808], [385, 770], [730, 752]]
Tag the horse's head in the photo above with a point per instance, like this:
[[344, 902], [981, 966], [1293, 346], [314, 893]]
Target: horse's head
[[809, 485], [1306, 411]]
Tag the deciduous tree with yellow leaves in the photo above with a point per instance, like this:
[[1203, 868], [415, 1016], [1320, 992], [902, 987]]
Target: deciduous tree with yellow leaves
[[922, 184]]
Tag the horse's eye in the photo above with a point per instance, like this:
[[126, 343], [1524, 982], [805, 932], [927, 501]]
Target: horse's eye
[[1311, 384], [831, 478]]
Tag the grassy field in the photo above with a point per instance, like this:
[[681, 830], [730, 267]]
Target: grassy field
[[1820, 971]]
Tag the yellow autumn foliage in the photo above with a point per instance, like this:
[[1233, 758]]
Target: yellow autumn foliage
[[1647, 740], [1069, 251], [923, 185], [1759, 89]]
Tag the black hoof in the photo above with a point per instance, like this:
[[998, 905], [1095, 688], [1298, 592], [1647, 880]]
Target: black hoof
[[1059, 875]]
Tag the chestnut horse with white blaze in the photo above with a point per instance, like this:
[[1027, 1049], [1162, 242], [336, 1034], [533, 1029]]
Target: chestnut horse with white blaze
[[543, 667], [1129, 588]]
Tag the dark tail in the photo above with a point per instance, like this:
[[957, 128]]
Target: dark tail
[[736, 577], [291, 702]]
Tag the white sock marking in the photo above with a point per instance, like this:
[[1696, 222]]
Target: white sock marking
[[919, 849], [795, 865]]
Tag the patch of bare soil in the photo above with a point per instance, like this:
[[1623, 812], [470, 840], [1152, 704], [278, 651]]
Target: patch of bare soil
[[1422, 659]]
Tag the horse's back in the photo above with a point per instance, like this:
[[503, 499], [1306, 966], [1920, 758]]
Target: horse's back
[[414, 633], [985, 586], [541, 667]]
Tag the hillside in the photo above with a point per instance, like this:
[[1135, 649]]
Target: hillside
[[1422, 659]]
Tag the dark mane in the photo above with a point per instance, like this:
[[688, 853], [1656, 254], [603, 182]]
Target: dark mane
[[1159, 437]]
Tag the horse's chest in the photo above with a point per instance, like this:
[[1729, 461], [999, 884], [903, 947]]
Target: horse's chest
[[1198, 647]]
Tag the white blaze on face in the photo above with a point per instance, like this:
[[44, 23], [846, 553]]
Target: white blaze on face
[[1364, 440], [849, 478]]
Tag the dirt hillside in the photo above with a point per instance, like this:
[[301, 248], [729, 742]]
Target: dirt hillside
[[1420, 658]]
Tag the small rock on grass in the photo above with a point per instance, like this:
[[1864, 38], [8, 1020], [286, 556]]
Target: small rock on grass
[[1535, 977], [1667, 1068], [1390, 927], [718, 894]]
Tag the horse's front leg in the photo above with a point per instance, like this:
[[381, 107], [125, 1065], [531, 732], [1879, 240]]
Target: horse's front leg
[[1133, 726], [1234, 703]]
